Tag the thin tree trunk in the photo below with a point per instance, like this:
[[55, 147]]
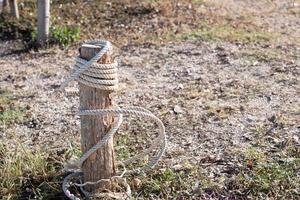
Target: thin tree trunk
[[43, 21], [13, 4]]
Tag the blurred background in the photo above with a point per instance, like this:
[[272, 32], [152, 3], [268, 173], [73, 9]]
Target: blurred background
[[150, 21]]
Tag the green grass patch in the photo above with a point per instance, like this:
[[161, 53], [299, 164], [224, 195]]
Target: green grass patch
[[163, 184], [254, 154], [225, 32], [9, 112], [267, 174], [268, 54], [11, 115], [5, 97], [198, 1], [64, 35], [187, 182], [121, 148], [275, 179]]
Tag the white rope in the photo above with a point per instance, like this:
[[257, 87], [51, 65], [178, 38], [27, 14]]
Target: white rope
[[104, 76]]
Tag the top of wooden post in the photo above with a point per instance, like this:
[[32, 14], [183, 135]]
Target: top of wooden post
[[88, 51]]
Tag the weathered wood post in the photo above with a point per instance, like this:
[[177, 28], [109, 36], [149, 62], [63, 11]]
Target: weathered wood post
[[101, 164], [43, 16], [13, 4]]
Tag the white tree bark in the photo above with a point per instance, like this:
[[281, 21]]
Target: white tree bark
[[43, 21], [13, 4]]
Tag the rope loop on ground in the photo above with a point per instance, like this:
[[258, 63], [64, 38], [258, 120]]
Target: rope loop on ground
[[104, 76]]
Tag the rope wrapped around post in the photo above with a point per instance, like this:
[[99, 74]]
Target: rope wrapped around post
[[104, 76]]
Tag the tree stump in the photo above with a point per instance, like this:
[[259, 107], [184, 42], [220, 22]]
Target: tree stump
[[101, 164]]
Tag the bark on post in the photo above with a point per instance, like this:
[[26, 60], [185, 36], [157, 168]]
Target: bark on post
[[43, 21], [93, 128], [13, 4]]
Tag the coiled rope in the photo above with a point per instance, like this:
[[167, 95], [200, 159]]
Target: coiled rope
[[104, 76]]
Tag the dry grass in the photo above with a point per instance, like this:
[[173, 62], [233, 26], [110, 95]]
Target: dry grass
[[24, 173]]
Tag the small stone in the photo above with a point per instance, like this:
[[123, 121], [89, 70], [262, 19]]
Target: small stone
[[296, 138], [164, 102], [177, 167], [250, 118], [179, 87], [178, 109], [195, 188]]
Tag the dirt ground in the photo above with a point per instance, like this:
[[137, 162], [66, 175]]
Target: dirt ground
[[218, 99]]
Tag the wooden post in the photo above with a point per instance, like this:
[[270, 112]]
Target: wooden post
[[13, 4], [101, 164], [43, 21]]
